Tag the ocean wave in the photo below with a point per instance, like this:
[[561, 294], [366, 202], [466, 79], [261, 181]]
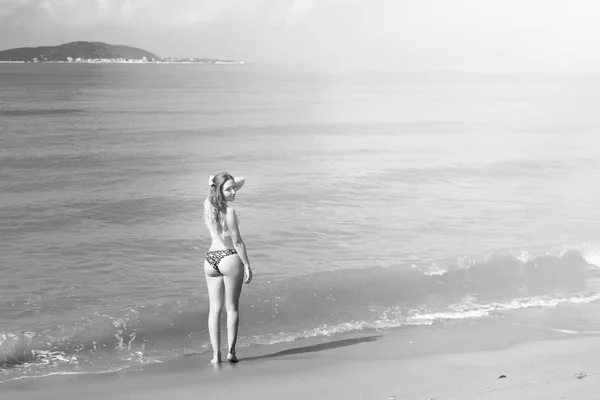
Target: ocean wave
[[317, 305], [516, 261], [398, 317], [61, 343]]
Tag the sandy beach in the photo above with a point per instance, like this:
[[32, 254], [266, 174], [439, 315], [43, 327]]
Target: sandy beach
[[463, 361]]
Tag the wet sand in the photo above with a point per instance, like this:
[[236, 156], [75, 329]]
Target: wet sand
[[464, 361]]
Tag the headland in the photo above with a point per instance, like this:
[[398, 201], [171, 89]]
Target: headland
[[96, 52]]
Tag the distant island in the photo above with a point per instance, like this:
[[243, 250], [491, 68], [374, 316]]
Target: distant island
[[96, 52]]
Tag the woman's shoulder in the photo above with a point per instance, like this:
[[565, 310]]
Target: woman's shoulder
[[230, 210], [230, 213]]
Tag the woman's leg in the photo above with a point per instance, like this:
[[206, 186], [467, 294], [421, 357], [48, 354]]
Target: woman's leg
[[233, 277], [214, 282]]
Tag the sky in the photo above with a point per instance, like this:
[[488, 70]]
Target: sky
[[404, 34]]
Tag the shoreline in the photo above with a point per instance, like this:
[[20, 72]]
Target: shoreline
[[457, 361], [125, 62]]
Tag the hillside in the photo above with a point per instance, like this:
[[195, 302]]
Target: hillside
[[75, 50]]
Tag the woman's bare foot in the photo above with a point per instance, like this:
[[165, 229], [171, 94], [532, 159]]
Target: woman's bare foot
[[231, 357], [216, 359]]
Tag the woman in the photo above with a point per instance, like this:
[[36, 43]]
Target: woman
[[226, 264]]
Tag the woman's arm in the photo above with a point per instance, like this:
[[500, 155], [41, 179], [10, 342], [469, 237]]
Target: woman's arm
[[238, 243], [239, 182]]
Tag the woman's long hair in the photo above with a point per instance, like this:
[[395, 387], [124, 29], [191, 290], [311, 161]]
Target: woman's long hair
[[215, 206]]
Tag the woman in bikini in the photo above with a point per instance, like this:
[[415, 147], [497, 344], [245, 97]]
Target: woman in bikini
[[226, 265]]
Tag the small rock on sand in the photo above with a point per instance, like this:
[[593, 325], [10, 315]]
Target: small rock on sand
[[580, 375]]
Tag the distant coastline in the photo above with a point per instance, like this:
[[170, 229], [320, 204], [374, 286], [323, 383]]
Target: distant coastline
[[117, 61], [97, 53]]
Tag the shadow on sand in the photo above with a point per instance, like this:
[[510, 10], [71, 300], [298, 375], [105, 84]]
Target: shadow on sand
[[313, 348]]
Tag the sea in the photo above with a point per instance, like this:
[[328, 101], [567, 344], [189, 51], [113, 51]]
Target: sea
[[375, 201]]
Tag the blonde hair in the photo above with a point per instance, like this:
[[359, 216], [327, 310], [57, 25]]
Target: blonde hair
[[215, 205]]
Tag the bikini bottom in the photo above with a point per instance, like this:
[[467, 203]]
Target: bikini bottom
[[214, 257]]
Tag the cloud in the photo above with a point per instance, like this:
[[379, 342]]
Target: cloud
[[298, 10], [10, 7], [159, 13], [139, 13], [133, 13]]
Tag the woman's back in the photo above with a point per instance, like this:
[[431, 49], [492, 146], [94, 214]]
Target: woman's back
[[219, 242], [223, 241]]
